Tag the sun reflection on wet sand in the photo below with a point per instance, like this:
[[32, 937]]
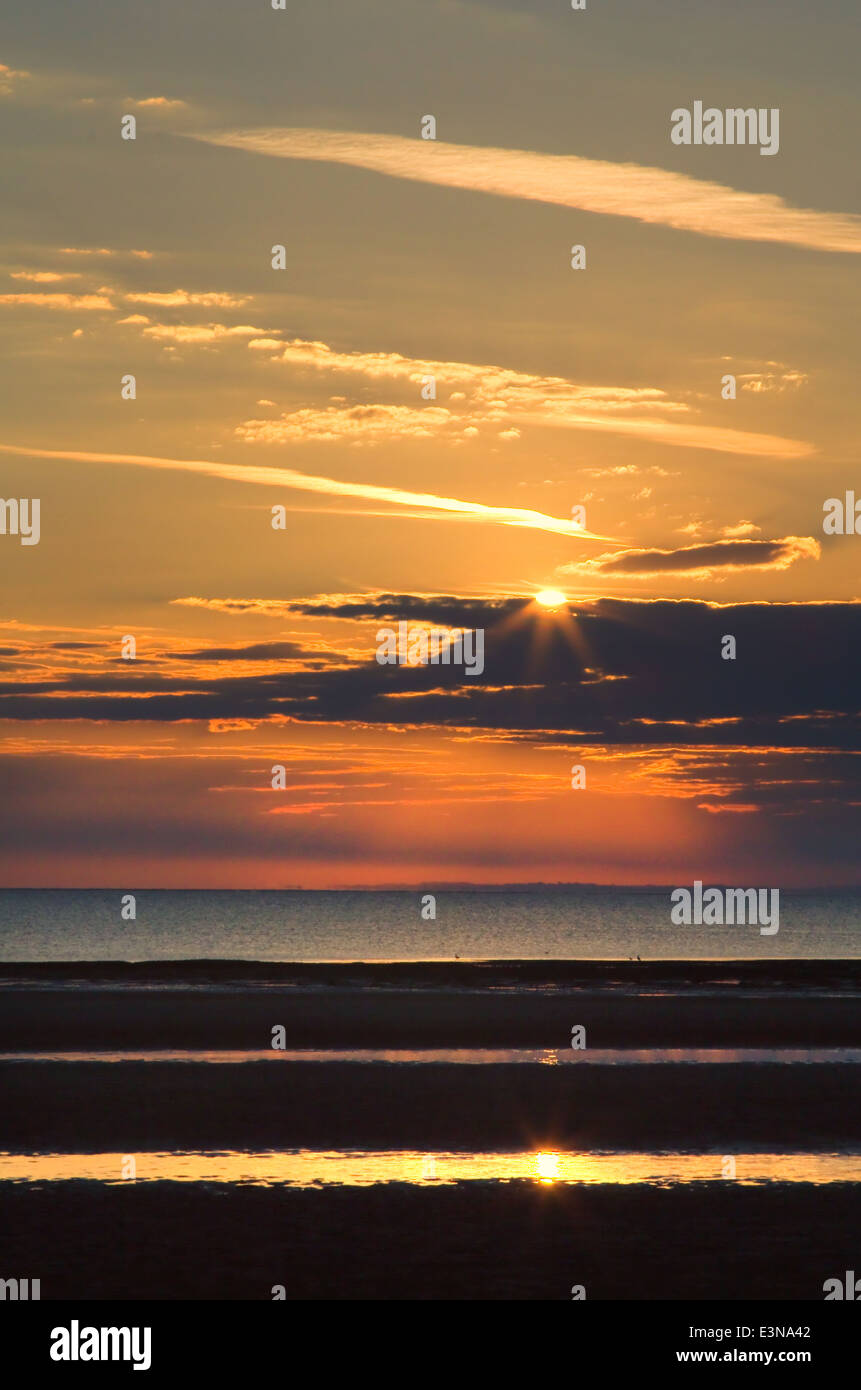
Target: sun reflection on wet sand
[[547, 1167], [361, 1168]]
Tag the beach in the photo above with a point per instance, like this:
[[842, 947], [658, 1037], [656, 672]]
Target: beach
[[168, 1241], [427, 1130]]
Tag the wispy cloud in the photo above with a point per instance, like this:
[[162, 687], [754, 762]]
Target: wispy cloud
[[9, 78], [263, 607], [192, 332], [58, 301], [448, 507], [44, 277], [165, 103], [359, 425], [212, 299], [473, 398], [491, 397], [758, 382], [648, 194], [103, 251]]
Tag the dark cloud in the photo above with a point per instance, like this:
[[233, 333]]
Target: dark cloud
[[74, 646], [616, 671], [448, 610], [729, 554], [256, 651]]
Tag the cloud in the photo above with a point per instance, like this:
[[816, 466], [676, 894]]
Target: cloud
[[264, 607], [627, 470], [9, 77], [760, 382], [257, 651], [496, 397], [441, 507], [449, 609], [702, 561], [232, 726], [166, 103], [44, 277], [607, 673], [650, 195], [58, 301], [192, 332], [494, 384], [103, 251], [358, 424], [215, 299], [76, 646]]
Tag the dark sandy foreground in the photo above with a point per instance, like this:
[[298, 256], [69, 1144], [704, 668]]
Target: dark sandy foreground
[[134, 1106], [474, 1240], [235, 1005], [515, 1241], [395, 1019]]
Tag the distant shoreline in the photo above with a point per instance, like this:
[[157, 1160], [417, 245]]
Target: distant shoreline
[[479, 973], [426, 886]]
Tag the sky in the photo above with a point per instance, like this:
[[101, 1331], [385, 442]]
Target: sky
[[306, 389]]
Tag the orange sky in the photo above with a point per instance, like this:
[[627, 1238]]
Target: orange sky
[[302, 389]]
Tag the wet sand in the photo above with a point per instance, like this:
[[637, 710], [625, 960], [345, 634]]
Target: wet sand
[[474, 1239], [237, 1004], [479, 1241], [93, 1106]]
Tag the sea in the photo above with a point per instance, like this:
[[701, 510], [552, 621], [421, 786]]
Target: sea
[[545, 923]]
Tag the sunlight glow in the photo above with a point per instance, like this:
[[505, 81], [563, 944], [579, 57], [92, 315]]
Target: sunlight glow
[[547, 1166], [551, 598]]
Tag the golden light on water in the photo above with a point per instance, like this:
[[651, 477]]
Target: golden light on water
[[352, 1168]]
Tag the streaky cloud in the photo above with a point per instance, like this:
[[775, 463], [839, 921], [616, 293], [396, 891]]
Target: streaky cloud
[[442, 507], [657, 196]]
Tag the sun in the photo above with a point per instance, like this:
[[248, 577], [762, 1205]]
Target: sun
[[551, 598]]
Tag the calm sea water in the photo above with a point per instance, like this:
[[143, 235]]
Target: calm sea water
[[561, 924]]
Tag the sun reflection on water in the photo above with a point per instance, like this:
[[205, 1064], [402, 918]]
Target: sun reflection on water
[[362, 1168]]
